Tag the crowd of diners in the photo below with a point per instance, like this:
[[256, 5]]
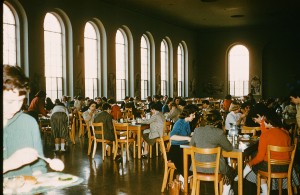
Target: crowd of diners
[[202, 125]]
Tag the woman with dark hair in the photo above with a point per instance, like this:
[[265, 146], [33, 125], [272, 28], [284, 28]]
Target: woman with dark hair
[[49, 104], [272, 133], [212, 136], [22, 142], [179, 135]]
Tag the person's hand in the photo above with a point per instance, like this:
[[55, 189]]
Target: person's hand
[[19, 158], [246, 170], [189, 139]]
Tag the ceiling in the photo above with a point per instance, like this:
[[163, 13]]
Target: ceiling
[[211, 14]]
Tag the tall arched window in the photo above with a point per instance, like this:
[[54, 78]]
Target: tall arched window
[[145, 66], [91, 43], [121, 64], [53, 39], [164, 67], [180, 69], [238, 70], [9, 37]]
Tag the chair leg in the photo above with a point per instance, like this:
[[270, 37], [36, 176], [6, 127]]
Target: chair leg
[[216, 184], [89, 147], [269, 185], [103, 150], [258, 184], [164, 184], [94, 148], [115, 149], [194, 186], [280, 186], [134, 149], [156, 144], [150, 150], [198, 187], [127, 151], [221, 186]]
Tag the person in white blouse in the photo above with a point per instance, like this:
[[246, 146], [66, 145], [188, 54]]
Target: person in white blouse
[[234, 116]]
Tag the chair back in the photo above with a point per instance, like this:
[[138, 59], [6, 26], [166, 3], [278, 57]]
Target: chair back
[[97, 129], [271, 161], [167, 127], [207, 165], [121, 131], [250, 130], [82, 124]]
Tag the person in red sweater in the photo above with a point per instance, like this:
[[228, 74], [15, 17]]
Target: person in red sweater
[[272, 133], [37, 105]]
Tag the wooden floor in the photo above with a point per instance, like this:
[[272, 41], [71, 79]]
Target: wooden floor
[[110, 177]]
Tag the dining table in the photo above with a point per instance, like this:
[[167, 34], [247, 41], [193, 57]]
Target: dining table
[[248, 147], [138, 128], [43, 183]]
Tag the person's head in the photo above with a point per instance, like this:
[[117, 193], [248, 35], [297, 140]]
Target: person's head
[[98, 100], [48, 100], [182, 103], [188, 112], [149, 99], [245, 107], [92, 105], [15, 88], [64, 98], [234, 107], [156, 98], [205, 103], [177, 100], [155, 107], [295, 96], [228, 97], [56, 101], [106, 107], [104, 99], [126, 99], [172, 104], [168, 101], [111, 101], [272, 118], [214, 118], [41, 94]]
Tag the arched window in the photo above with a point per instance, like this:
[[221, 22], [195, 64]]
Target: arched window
[[164, 67], [53, 40], [121, 64], [238, 70], [145, 66], [180, 69], [91, 44], [9, 37]]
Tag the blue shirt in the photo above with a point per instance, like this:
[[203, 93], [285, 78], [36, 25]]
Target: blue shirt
[[181, 127]]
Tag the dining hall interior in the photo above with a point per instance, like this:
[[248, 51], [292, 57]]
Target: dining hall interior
[[196, 49]]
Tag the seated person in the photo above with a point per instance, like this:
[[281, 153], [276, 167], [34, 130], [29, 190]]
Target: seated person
[[212, 136], [174, 113], [156, 122], [179, 135], [20, 130], [272, 134], [88, 116], [115, 109], [234, 116]]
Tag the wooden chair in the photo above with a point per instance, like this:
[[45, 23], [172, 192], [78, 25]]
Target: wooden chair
[[269, 174], [100, 139], [166, 132], [250, 130], [122, 137], [169, 167], [197, 176], [72, 130], [82, 125]]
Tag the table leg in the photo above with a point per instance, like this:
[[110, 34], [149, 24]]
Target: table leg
[[240, 173], [185, 170], [139, 143]]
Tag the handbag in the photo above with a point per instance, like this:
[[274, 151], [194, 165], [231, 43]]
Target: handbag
[[175, 186]]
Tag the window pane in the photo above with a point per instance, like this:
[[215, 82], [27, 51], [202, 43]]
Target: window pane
[[9, 37], [145, 60], [164, 61], [53, 56], [238, 70], [121, 49], [180, 68], [90, 60]]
